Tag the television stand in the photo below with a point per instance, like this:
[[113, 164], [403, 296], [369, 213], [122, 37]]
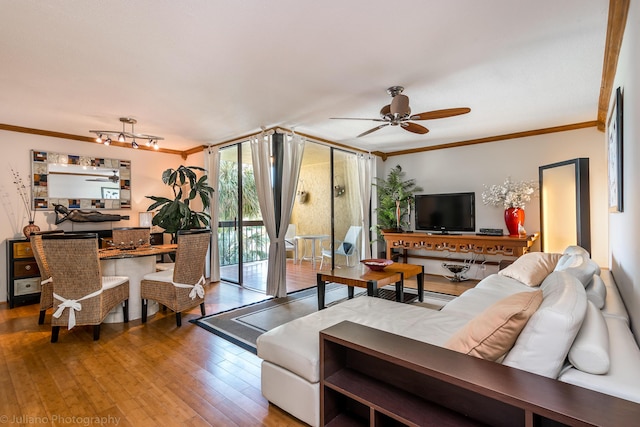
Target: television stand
[[468, 243], [457, 270]]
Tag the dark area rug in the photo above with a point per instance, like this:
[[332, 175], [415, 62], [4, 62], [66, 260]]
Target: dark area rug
[[242, 326]]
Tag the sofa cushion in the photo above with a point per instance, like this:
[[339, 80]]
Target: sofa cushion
[[295, 345], [531, 268], [623, 376], [590, 350], [596, 291], [492, 333], [544, 342], [578, 265], [575, 249]]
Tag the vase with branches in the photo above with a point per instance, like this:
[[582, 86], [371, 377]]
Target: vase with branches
[[25, 192], [176, 214]]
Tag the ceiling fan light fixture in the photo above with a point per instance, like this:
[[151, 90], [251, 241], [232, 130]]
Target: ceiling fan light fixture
[[400, 106]]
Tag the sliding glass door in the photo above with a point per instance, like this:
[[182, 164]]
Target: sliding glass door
[[242, 239]]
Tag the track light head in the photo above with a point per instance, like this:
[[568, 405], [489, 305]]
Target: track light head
[[107, 141], [99, 138], [134, 144]]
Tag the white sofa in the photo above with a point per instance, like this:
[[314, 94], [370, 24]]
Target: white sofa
[[579, 334]]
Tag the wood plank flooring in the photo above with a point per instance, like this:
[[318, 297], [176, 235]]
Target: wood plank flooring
[[137, 375]]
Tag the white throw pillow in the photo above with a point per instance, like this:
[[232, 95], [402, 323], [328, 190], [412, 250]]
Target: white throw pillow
[[596, 291], [543, 344], [590, 350], [531, 268], [579, 266]]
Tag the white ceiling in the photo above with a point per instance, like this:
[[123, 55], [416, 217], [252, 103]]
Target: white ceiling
[[204, 71]]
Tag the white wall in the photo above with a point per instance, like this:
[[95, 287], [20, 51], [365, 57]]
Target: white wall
[[469, 168], [146, 169], [624, 235]]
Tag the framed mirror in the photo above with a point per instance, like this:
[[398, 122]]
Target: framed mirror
[[79, 182]]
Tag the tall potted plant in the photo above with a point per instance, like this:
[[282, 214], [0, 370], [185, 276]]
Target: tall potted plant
[[395, 196], [176, 214]]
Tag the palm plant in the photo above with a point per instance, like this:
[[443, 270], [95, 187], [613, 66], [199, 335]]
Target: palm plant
[[176, 214]]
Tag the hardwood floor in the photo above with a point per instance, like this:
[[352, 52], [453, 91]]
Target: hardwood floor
[[135, 375]]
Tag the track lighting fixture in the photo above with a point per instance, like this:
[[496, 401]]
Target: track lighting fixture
[[122, 136]]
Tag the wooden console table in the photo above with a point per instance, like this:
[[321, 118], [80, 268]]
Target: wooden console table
[[370, 377], [462, 243]]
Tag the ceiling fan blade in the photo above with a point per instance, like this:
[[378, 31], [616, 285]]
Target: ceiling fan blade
[[353, 118], [414, 127], [440, 114], [372, 130]]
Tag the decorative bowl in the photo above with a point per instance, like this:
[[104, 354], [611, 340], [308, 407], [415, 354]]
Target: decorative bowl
[[377, 264]]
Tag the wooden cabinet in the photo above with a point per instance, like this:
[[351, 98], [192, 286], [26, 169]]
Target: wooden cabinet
[[369, 377], [23, 276]]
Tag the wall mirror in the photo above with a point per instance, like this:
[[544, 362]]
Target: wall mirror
[[79, 182]]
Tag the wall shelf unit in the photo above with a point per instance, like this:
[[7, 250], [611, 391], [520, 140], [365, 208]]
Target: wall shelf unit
[[369, 377]]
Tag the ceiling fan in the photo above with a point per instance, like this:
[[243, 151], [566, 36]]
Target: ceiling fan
[[113, 178], [398, 113]]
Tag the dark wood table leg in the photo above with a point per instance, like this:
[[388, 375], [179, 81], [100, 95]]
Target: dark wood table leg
[[350, 292], [420, 280], [321, 291], [372, 289], [400, 289]]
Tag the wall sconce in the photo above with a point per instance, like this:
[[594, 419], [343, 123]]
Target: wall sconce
[[338, 186], [303, 196]]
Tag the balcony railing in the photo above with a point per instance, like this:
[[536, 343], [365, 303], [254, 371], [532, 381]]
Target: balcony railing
[[255, 242]]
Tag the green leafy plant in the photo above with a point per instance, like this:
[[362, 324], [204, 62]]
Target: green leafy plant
[[390, 190], [176, 214]]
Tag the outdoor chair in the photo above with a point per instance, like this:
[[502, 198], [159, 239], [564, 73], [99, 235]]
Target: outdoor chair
[[46, 288], [81, 294], [182, 288], [290, 241], [347, 247]]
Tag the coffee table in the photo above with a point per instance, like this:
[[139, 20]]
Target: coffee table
[[363, 277]]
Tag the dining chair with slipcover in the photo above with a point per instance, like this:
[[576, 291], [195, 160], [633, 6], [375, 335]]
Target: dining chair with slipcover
[[134, 236], [80, 292], [46, 288], [182, 288]]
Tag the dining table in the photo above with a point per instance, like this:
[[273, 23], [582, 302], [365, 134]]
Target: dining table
[[134, 263]]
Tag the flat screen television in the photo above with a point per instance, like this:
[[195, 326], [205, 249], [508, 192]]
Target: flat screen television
[[445, 212]]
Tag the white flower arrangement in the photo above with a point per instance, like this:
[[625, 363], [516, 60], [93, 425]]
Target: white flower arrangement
[[509, 194]]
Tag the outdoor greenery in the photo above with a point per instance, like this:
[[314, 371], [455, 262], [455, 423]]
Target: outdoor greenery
[[254, 238], [176, 214], [394, 188]]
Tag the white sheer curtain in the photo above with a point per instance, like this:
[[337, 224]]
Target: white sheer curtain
[[365, 167], [212, 165], [292, 151]]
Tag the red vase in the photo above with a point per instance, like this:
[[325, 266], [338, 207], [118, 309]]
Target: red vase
[[514, 217]]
